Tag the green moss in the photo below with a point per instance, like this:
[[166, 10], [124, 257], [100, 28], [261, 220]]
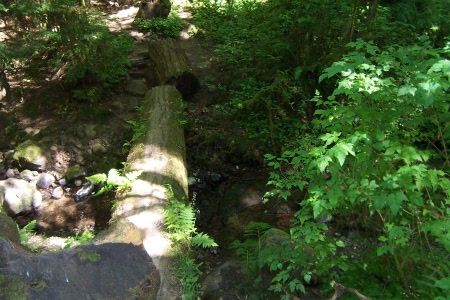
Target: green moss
[[28, 150], [12, 287], [92, 256], [38, 285]]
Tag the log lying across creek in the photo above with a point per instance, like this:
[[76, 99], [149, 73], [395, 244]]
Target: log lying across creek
[[171, 66], [160, 155]]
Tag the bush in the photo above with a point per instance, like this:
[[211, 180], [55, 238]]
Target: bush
[[170, 27], [378, 134]]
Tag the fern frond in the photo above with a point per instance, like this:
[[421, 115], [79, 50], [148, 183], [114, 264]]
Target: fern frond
[[115, 178], [133, 175], [256, 229], [203, 240], [97, 178]]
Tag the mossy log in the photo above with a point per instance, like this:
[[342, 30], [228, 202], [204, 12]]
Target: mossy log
[[160, 156], [171, 66]]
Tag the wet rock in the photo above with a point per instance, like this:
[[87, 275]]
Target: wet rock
[[17, 195], [85, 191], [45, 180]]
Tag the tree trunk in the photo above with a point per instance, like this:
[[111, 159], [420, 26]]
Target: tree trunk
[[171, 66], [4, 84], [160, 155]]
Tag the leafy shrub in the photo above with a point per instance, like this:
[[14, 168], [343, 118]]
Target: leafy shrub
[[371, 163], [170, 27]]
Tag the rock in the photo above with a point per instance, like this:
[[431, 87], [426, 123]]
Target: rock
[[27, 175], [74, 172], [45, 180], [9, 229], [98, 148], [85, 191], [31, 155], [17, 195], [274, 237], [136, 87], [58, 192], [89, 131], [62, 181], [107, 271], [225, 280], [10, 173], [151, 9]]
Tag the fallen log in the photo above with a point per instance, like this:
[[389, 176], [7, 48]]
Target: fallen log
[[160, 156], [171, 66]]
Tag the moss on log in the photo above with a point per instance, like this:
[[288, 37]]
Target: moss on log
[[160, 155], [171, 66]]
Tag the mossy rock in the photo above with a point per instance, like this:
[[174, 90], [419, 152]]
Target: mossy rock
[[32, 155], [12, 288], [74, 172], [9, 229]]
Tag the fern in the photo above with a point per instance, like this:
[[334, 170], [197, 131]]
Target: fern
[[27, 230], [179, 219], [202, 239], [114, 180], [436, 277]]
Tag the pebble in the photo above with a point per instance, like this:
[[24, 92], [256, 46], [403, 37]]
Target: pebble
[[57, 193], [45, 180]]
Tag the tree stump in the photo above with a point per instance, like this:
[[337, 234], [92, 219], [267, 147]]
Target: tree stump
[[171, 66], [160, 155]]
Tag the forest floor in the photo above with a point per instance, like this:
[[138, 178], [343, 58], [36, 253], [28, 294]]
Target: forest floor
[[39, 104]]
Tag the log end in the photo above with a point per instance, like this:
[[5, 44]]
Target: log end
[[187, 84]]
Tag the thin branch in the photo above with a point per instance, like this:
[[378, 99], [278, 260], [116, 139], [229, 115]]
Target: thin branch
[[340, 290]]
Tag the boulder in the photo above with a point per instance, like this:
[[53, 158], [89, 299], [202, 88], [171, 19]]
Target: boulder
[[106, 271], [31, 155], [17, 196], [9, 229], [223, 281], [151, 9]]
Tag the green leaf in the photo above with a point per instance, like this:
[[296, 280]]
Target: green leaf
[[394, 201], [407, 89], [322, 163], [443, 283], [340, 243]]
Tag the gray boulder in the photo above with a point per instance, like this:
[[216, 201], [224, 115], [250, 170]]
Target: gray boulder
[[107, 271], [17, 195]]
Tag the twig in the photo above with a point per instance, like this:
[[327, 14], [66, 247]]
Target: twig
[[340, 290]]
